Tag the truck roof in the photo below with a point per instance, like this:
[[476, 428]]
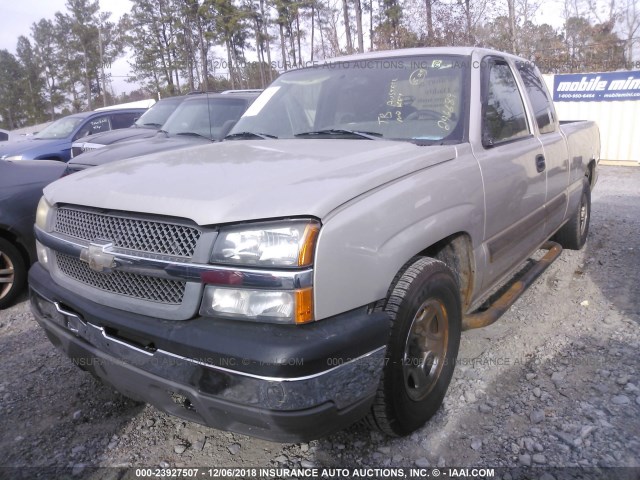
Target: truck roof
[[419, 51]]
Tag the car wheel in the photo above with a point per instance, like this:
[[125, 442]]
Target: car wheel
[[573, 235], [13, 272], [425, 311]]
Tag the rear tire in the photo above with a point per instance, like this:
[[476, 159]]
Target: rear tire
[[573, 235], [425, 310], [13, 273]]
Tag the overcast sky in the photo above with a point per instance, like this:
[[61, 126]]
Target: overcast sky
[[18, 16]]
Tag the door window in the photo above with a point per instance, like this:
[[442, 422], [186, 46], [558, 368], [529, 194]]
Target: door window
[[95, 125], [503, 115]]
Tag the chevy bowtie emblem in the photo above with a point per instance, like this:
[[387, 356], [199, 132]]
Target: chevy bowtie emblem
[[98, 257]]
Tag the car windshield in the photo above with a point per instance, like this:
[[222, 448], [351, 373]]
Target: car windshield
[[418, 98], [60, 128], [210, 119], [157, 114]]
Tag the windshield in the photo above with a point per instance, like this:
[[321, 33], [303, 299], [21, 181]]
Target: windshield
[[420, 98], [60, 128], [157, 114], [211, 120]]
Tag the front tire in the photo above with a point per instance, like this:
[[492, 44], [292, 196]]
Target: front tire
[[573, 235], [425, 310], [13, 273]]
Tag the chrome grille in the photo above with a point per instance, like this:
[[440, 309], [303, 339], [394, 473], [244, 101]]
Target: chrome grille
[[129, 233], [131, 285]]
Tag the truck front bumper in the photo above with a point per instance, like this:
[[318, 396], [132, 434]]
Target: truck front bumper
[[268, 392]]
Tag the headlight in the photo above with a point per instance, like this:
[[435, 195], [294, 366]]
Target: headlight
[[42, 213], [13, 157], [283, 244], [273, 306]]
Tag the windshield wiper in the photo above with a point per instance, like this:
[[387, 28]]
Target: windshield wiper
[[193, 134], [152, 125], [341, 131], [423, 142], [166, 134], [241, 135]]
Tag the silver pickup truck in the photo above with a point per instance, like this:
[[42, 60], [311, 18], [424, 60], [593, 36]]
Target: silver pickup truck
[[318, 266]]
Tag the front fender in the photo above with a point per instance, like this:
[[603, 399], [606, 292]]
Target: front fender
[[364, 243]]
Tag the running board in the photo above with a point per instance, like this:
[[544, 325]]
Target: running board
[[508, 298]]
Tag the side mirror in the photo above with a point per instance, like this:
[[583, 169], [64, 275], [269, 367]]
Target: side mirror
[[487, 140]]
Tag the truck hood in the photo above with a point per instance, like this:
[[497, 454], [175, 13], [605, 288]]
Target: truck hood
[[247, 180], [136, 148], [30, 148]]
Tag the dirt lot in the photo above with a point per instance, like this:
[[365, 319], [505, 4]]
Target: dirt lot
[[555, 382]]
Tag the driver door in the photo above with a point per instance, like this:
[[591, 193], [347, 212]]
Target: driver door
[[515, 186]]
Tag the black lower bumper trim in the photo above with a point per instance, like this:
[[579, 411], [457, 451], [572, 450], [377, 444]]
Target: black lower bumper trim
[[186, 402], [297, 407], [256, 348]]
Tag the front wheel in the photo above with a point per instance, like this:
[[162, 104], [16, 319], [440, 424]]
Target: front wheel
[[13, 273], [425, 310]]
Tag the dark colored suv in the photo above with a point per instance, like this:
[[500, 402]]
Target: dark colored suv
[[198, 119], [146, 126]]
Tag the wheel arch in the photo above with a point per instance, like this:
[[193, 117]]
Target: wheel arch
[[590, 173], [457, 253]]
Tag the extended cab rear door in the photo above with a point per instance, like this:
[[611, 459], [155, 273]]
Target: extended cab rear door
[[514, 182], [556, 154]]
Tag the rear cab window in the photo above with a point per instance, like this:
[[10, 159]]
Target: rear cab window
[[538, 96]]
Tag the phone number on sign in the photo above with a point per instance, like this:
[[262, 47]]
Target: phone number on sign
[[577, 95]]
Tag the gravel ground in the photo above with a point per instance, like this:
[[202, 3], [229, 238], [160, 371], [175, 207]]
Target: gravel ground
[[555, 382]]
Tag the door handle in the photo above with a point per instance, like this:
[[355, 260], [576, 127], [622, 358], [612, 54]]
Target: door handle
[[540, 163]]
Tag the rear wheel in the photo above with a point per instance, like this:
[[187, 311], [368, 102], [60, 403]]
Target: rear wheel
[[424, 306], [13, 273], [573, 235]]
